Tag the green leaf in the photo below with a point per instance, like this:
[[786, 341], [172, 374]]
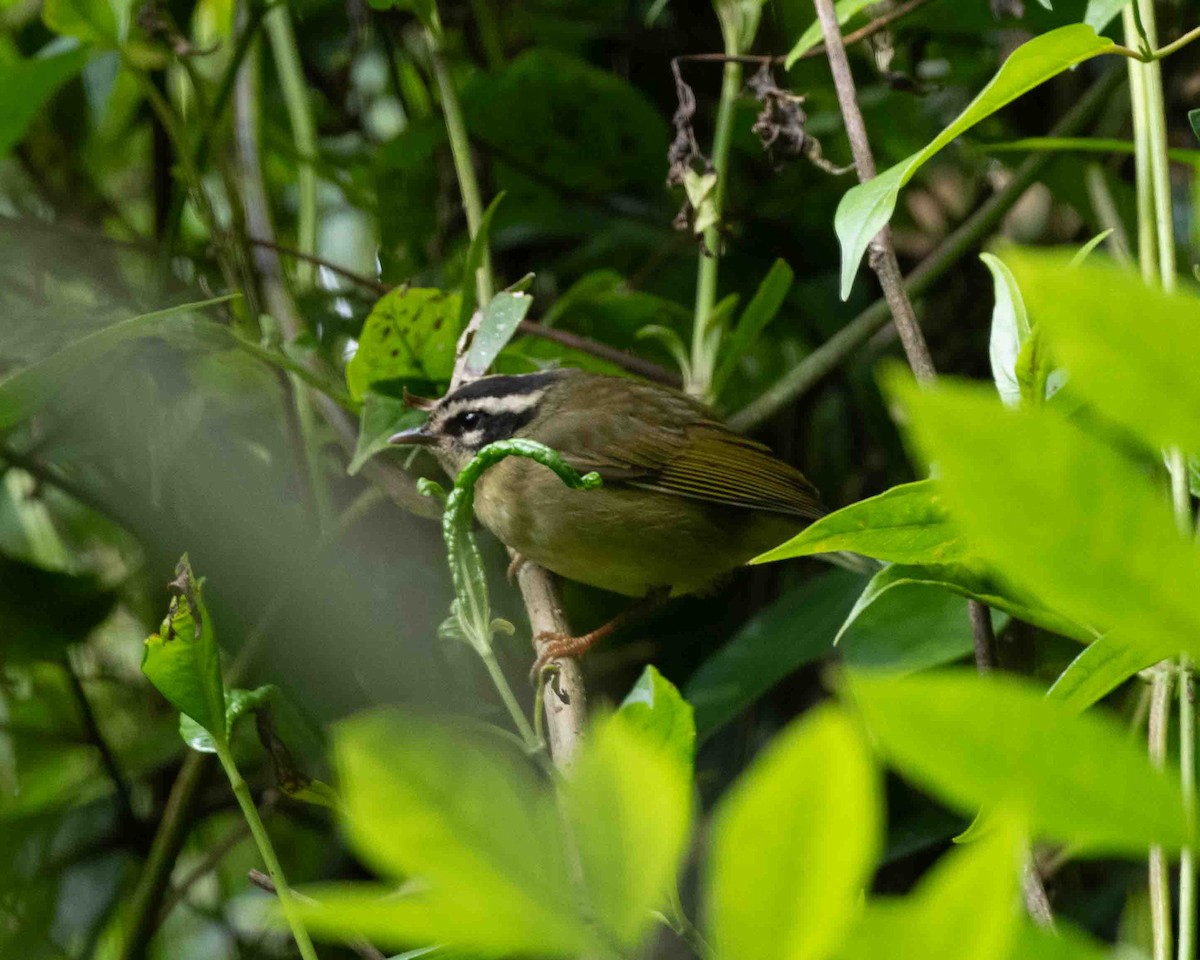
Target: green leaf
[[183, 661], [238, 702], [1094, 539], [968, 579], [476, 253], [25, 87], [1086, 250], [1100, 13], [501, 317], [965, 908], [867, 208], [381, 417], [792, 848], [1075, 779], [796, 629], [1141, 375], [44, 611], [760, 311], [629, 849], [906, 524], [655, 706], [1064, 942], [92, 21], [845, 9], [1010, 329], [1100, 668], [1193, 117], [23, 393], [410, 332], [464, 813], [914, 627]]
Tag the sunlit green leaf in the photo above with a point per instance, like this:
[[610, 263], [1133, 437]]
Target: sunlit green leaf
[[1091, 536], [629, 801], [183, 661], [845, 9], [1137, 373], [1100, 668], [25, 86], [410, 332], [92, 21], [238, 703], [867, 208], [996, 741], [965, 908], [463, 812], [655, 706], [794, 843], [906, 524]]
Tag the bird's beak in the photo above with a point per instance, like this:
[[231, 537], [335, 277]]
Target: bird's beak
[[413, 437]]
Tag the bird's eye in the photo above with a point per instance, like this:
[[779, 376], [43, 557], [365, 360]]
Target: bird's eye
[[469, 419]]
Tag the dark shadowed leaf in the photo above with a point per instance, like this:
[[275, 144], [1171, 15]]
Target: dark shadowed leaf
[[381, 417], [26, 85], [44, 611], [793, 843], [760, 311]]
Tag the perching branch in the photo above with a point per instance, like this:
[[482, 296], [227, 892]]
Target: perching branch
[[887, 268]]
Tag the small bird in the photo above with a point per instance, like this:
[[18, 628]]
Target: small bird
[[684, 499]]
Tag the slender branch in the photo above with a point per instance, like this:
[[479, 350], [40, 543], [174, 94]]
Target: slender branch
[[96, 737], [1160, 882], [883, 261], [826, 358]]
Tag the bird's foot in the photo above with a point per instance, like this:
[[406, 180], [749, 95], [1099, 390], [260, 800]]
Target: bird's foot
[[551, 646], [518, 561]]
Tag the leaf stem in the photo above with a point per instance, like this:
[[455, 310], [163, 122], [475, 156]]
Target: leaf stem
[[460, 149], [263, 841], [1160, 884]]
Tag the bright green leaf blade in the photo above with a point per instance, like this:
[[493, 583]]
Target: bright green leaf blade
[[26, 85], [655, 706], [462, 811], [1099, 669], [1086, 250], [1100, 13], [906, 524], [969, 580], [1010, 329], [1064, 942], [996, 741], [183, 661], [1140, 374], [501, 318], [1094, 538], [411, 332], [381, 418], [797, 629], [24, 392], [845, 9], [867, 208], [759, 312], [629, 802], [964, 908], [792, 848], [92, 21]]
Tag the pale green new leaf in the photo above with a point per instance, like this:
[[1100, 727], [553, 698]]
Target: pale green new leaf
[[794, 844], [996, 741], [1130, 349], [845, 9], [501, 317], [867, 208], [462, 812], [906, 524], [1062, 515], [1010, 329], [183, 661], [655, 707], [628, 799], [965, 908]]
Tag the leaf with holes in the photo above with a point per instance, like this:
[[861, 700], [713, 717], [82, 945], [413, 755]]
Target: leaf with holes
[[411, 332]]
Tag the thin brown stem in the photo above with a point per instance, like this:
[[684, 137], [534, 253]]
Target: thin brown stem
[[887, 268]]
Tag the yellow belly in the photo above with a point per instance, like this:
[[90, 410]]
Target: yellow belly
[[623, 540]]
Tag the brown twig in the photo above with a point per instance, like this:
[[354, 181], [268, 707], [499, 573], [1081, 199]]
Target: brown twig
[[887, 268], [881, 22], [358, 945]]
